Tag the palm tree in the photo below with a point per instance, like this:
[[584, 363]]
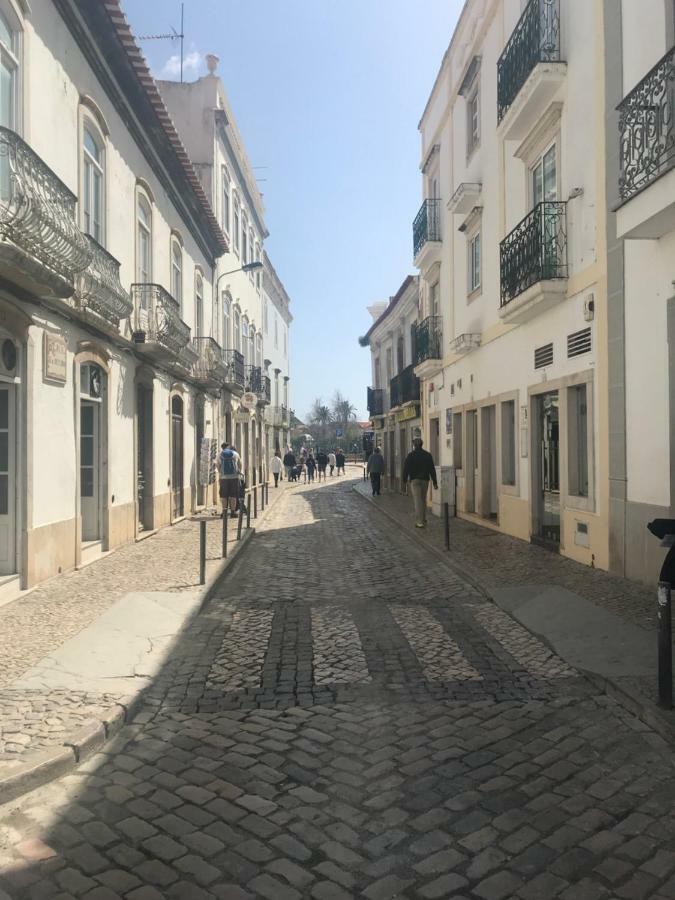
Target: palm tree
[[344, 412]]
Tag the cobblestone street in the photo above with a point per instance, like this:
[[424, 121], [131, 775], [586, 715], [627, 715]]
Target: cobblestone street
[[348, 718]]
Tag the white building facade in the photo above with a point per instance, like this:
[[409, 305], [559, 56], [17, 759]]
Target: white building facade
[[206, 124], [277, 318], [108, 247], [394, 396], [640, 77], [510, 246]]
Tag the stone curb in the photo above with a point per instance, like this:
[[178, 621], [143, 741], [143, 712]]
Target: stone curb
[[37, 769], [633, 701]]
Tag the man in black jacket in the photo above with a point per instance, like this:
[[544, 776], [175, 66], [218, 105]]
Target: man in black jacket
[[419, 469], [289, 462]]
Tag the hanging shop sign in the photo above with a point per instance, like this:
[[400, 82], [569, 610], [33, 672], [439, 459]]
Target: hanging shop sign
[[54, 357], [249, 400], [411, 412]]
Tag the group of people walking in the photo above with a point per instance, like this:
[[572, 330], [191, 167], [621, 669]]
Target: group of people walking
[[418, 471], [306, 466]]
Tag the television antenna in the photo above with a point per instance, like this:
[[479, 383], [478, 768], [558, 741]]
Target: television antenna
[[172, 36]]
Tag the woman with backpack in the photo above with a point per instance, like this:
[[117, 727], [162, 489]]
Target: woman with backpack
[[229, 470]]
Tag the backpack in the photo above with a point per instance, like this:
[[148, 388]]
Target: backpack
[[228, 465]]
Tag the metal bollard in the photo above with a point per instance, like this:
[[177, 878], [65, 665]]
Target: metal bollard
[[226, 516], [446, 524], [248, 513], [262, 497], [202, 552], [665, 644], [240, 520], [255, 502]]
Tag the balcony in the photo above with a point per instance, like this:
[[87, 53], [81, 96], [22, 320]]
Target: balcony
[[404, 388], [267, 390], [100, 295], [427, 233], [647, 155], [529, 71], [254, 380], [209, 368], [375, 403], [235, 371], [159, 331], [533, 263], [428, 346], [41, 247], [277, 416]]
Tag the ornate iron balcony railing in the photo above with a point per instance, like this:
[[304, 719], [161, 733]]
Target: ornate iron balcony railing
[[536, 250], [535, 39], [99, 288], [426, 225], [404, 387], [254, 379], [647, 128], [210, 365], [428, 339], [235, 368], [37, 210], [375, 402], [157, 318]]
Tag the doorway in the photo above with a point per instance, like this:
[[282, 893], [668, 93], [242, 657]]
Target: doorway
[[489, 462], [471, 460], [547, 487], [7, 479], [403, 452], [144, 479], [177, 503], [199, 435], [91, 480]]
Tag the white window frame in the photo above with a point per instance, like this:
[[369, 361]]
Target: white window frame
[[244, 238], [227, 315], [251, 250], [199, 304], [258, 279], [12, 58], [236, 222], [475, 260], [236, 326], [225, 213], [177, 271], [473, 111], [142, 228], [91, 168], [258, 349], [266, 316]]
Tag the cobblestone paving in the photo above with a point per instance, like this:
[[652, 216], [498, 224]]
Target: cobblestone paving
[[475, 766]]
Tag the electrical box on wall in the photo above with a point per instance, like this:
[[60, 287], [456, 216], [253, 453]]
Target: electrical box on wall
[[589, 307]]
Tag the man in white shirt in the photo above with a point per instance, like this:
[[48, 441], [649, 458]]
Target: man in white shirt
[[331, 461]]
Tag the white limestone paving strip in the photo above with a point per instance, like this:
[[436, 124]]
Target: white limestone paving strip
[[530, 652], [440, 657], [338, 654], [238, 663]]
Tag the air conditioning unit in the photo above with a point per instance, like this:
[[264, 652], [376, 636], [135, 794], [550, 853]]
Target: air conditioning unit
[[8, 357]]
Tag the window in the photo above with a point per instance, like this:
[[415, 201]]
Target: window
[[9, 74], [376, 371], [473, 122], [509, 442], [252, 346], [577, 447], [236, 218], [251, 250], [276, 331], [433, 300], [226, 322], [93, 184], [244, 240], [457, 440], [266, 322], [199, 305], [225, 212], [258, 278], [258, 350], [143, 240], [236, 320], [544, 177], [177, 271], [244, 341], [389, 364], [474, 263]]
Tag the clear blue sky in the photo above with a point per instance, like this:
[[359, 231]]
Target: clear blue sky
[[327, 95]]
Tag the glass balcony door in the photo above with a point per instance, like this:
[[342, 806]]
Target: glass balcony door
[[7, 480]]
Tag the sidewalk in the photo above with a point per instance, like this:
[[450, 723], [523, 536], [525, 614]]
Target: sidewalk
[[598, 622], [77, 651]]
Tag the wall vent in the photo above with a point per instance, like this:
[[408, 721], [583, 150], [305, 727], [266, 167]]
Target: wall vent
[[579, 342], [543, 356]]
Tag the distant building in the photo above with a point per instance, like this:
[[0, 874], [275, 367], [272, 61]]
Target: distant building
[[277, 320]]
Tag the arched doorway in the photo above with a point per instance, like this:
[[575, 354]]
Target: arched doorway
[[177, 457], [9, 368], [92, 391]]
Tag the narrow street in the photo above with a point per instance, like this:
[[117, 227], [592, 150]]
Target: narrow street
[[348, 718]]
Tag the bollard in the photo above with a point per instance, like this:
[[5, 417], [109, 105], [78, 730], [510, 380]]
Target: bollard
[[202, 552], [262, 497], [226, 516], [255, 502], [665, 646], [240, 520], [248, 513], [446, 524]]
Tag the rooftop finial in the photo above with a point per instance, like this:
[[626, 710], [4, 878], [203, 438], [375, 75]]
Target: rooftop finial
[[212, 63]]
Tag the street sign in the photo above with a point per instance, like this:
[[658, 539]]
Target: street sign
[[338, 432]]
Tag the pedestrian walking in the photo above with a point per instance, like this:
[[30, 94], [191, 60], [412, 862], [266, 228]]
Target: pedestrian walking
[[276, 466], [340, 461], [322, 462], [375, 468], [311, 466], [331, 462], [289, 462], [229, 471], [419, 469]]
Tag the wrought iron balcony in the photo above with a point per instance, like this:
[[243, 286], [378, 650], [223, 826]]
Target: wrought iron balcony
[[42, 247], [235, 370], [158, 327], [426, 226], [404, 387], [99, 289], [428, 339], [267, 389], [535, 39], [209, 368], [254, 380], [647, 129], [536, 250], [375, 401]]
